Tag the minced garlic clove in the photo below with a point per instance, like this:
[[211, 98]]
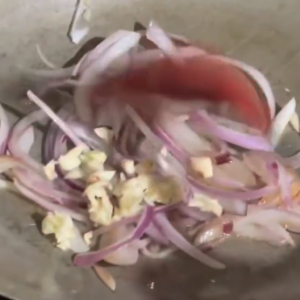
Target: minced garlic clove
[[50, 171], [203, 166], [61, 225], [71, 160], [100, 208], [130, 204], [206, 204]]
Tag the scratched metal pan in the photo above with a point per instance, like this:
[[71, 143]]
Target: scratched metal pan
[[262, 33]]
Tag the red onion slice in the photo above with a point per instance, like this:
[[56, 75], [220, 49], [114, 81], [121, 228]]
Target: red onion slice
[[154, 233], [92, 75], [4, 130], [179, 241], [47, 204], [209, 126], [158, 36], [16, 135], [62, 125], [90, 258], [225, 195]]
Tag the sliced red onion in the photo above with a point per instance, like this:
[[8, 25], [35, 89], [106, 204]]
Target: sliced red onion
[[177, 151], [47, 189], [57, 74], [90, 258], [155, 235], [47, 204], [180, 242], [278, 174], [272, 223], [14, 143], [126, 255], [4, 130], [282, 120], [78, 245], [285, 185], [182, 135], [234, 206], [51, 139], [27, 140], [161, 254], [87, 135], [93, 74], [209, 126], [194, 213], [9, 162], [44, 59], [213, 232], [55, 118], [103, 47], [160, 38], [220, 194]]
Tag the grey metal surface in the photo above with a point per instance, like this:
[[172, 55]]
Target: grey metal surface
[[263, 33]]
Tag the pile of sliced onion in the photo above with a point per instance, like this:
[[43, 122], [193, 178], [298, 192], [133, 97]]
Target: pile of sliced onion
[[235, 189]]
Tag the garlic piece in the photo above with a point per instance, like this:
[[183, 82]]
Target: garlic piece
[[49, 170], [67, 235], [93, 160], [166, 191], [100, 209], [71, 160], [202, 165], [206, 204]]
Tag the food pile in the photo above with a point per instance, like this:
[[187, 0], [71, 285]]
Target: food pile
[[146, 158]]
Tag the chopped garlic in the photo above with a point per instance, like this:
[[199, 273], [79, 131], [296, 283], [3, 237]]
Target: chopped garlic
[[100, 209], [130, 203], [128, 166], [49, 170], [95, 191], [202, 165], [295, 122], [101, 176], [164, 191], [281, 121], [206, 204], [104, 133], [71, 160], [80, 23], [93, 160], [134, 185], [62, 227]]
